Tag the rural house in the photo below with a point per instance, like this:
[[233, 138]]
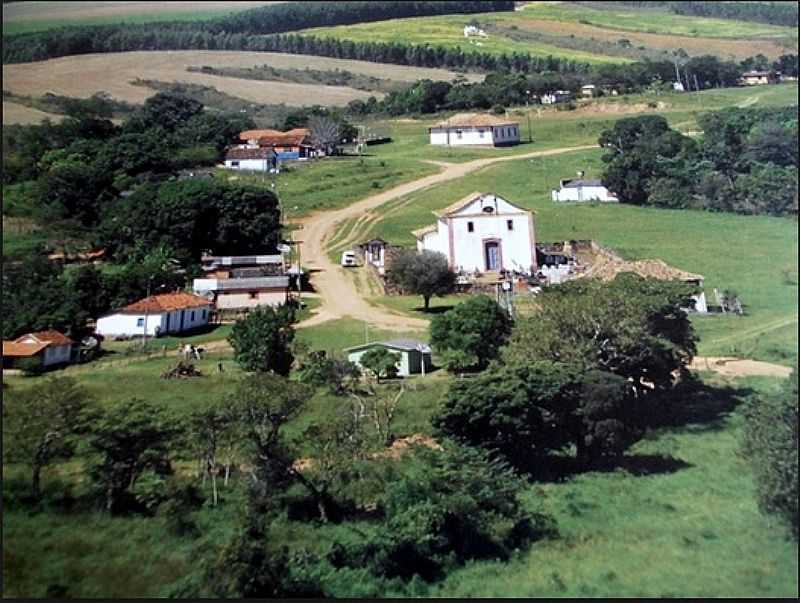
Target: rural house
[[156, 315], [588, 91], [51, 348], [290, 145], [254, 159], [475, 129], [559, 96], [240, 282], [482, 233], [415, 356], [757, 78], [580, 189]]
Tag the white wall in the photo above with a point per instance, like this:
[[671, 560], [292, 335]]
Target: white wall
[[583, 193], [239, 300], [506, 134], [516, 245], [475, 136], [129, 324], [260, 165]]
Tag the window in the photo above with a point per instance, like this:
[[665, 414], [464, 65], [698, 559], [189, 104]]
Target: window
[[234, 164], [470, 227], [254, 295], [458, 133], [192, 317], [140, 322], [510, 224], [480, 132], [204, 314]]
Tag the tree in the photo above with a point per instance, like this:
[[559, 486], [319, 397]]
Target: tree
[[261, 341], [771, 447], [317, 369], [211, 429], [380, 362], [474, 330], [127, 440], [40, 425], [425, 273], [324, 133], [165, 110], [633, 327]]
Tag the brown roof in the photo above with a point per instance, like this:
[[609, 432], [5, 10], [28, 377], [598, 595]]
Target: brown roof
[[49, 336], [25, 350], [468, 120], [87, 255], [165, 302], [248, 153], [608, 271], [256, 134], [284, 139]]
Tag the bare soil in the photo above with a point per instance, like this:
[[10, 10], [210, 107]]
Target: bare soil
[[737, 367], [14, 113]]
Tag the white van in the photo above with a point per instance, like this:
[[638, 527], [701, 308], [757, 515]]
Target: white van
[[349, 258]]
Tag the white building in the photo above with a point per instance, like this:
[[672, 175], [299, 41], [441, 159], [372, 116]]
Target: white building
[[589, 90], [579, 189], [260, 159], [157, 315], [241, 293], [475, 129], [482, 233], [415, 356], [51, 348], [559, 96]]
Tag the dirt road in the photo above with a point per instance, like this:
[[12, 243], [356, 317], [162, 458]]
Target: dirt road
[[337, 291], [738, 367]]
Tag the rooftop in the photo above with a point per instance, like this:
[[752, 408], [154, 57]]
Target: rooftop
[[475, 120], [406, 345], [249, 153], [25, 350], [576, 182], [165, 302], [49, 336]]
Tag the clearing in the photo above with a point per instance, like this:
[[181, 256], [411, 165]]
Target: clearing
[[14, 113]]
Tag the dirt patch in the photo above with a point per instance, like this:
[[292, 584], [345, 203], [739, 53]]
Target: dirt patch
[[737, 49], [737, 367], [402, 446], [14, 113]]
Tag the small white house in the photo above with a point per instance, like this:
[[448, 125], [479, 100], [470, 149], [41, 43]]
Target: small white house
[[156, 315], [479, 129], [579, 189], [482, 233], [415, 356], [588, 91], [51, 348], [260, 159], [559, 96]]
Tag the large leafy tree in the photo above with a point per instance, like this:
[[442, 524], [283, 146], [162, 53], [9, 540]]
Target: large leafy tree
[[633, 327], [380, 362], [262, 340], [470, 335], [423, 273], [41, 425], [771, 445], [125, 441]]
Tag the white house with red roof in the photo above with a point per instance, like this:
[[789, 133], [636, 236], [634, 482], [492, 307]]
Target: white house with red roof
[[156, 315], [50, 347], [482, 233]]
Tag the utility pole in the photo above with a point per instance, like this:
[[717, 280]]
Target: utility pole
[[144, 337], [528, 114]]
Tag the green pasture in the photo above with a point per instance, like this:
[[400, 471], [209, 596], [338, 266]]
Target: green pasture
[[448, 31], [654, 21], [754, 255]]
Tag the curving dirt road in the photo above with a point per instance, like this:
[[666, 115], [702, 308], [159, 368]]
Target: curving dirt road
[[339, 296]]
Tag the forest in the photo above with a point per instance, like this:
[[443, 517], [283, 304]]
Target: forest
[[746, 162]]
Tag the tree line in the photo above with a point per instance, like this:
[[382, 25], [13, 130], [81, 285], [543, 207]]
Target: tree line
[[775, 13], [745, 162]]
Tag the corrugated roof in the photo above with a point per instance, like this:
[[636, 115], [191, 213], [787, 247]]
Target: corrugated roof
[[165, 302], [575, 183], [475, 120], [22, 350], [405, 345]]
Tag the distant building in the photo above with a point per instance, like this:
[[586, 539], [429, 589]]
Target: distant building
[[757, 78], [156, 315], [559, 96], [580, 189], [242, 282], [475, 129], [415, 356], [471, 30], [588, 91], [50, 348], [251, 159], [482, 233]]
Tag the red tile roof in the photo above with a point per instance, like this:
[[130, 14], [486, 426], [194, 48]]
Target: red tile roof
[[49, 336], [165, 302], [249, 153], [25, 350], [284, 139]]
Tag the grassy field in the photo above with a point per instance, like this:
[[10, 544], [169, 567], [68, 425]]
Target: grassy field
[[755, 256], [25, 17]]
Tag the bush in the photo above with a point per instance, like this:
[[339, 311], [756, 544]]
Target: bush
[[31, 367], [498, 109], [771, 446]]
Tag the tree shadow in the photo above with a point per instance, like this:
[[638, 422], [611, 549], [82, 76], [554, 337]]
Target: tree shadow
[[560, 468], [434, 310]]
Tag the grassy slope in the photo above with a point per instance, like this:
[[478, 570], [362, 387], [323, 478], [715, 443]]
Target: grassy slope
[[448, 31]]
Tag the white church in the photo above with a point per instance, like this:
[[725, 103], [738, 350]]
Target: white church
[[483, 233]]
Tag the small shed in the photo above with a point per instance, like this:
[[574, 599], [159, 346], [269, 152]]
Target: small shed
[[50, 348], [415, 356]]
